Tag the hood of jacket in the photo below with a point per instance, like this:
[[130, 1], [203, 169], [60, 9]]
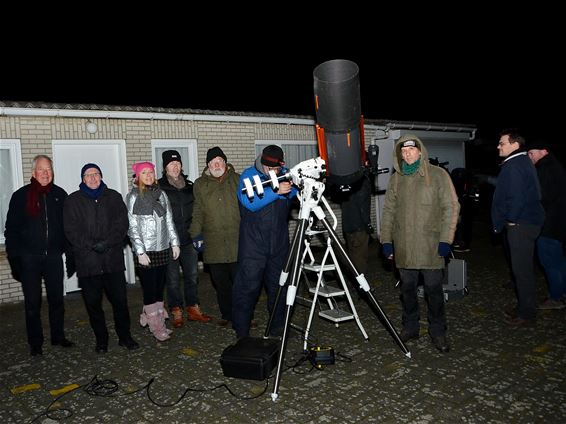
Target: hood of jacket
[[398, 159]]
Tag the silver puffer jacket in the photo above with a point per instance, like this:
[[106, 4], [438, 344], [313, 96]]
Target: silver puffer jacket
[[151, 233]]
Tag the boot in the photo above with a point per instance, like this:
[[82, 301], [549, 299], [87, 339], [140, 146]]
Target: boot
[[143, 318], [195, 314], [164, 315], [156, 322], [177, 317]]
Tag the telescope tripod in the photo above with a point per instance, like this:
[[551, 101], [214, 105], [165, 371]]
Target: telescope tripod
[[310, 196]]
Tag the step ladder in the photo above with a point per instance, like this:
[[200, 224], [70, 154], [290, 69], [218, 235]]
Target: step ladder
[[332, 312]]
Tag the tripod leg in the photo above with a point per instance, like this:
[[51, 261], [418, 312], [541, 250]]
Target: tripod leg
[[291, 292], [365, 286], [295, 244]]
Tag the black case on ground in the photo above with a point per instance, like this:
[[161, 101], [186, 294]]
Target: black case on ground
[[250, 358]]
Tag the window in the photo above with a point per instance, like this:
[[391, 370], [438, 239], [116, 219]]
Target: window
[[187, 148], [295, 151], [11, 175]]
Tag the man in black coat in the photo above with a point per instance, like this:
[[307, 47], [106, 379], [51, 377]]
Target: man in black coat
[[179, 191], [96, 225], [34, 244], [550, 244]]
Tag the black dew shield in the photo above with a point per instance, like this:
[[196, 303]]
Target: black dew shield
[[339, 125]]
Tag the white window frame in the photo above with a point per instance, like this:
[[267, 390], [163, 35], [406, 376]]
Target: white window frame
[[13, 146], [191, 144]]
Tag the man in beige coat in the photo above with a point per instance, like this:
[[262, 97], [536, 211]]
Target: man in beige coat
[[216, 218], [419, 219]]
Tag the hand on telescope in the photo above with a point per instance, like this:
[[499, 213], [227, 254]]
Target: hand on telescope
[[284, 187]]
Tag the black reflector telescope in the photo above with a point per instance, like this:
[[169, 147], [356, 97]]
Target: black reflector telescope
[[339, 127]]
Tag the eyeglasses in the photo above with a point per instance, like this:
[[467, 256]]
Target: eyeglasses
[[93, 175]]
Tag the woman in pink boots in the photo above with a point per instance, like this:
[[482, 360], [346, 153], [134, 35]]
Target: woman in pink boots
[[154, 242]]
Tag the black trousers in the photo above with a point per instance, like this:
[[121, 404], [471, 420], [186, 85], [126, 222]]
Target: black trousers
[[152, 280], [521, 243], [114, 285], [48, 268], [223, 276], [434, 297]]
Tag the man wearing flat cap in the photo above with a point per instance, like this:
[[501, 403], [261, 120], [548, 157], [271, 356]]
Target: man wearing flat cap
[[264, 243], [550, 243], [215, 226]]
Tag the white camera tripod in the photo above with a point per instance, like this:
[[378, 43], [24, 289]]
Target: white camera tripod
[[307, 177]]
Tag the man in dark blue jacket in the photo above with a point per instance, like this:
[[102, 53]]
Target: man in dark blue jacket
[[263, 243], [34, 244], [517, 210], [96, 225]]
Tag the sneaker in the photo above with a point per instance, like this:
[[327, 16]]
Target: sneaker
[[223, 322], [552, 304], [195, 314]]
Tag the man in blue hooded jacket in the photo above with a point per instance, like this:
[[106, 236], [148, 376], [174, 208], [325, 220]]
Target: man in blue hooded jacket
[[263, 243]]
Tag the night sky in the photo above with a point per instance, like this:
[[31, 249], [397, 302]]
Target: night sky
[[494, 74]]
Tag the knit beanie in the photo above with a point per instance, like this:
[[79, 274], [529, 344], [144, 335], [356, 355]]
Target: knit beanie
[[88, 166], [215, 152]]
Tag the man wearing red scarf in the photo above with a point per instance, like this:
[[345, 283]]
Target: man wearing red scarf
[[35, 243]]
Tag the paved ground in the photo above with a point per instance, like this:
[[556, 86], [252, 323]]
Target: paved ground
[[493, 373]]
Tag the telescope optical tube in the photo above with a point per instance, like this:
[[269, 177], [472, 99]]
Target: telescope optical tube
[[340, 127]]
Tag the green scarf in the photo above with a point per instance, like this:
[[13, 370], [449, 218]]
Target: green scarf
[[410, 169]]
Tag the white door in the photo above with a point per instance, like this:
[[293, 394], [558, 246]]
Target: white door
[[69, 156]]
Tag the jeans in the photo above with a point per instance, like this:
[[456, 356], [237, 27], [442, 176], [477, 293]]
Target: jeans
[[551, 257], [434, 295], [188, 259], [50, 268]]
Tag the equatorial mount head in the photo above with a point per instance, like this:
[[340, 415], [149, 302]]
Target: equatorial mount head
[[307, 171]]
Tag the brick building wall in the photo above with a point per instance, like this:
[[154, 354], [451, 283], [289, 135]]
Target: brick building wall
[[237, 139]]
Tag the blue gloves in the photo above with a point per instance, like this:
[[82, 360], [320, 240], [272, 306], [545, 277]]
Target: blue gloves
[[443, 249], [387, 249], [198, 243]]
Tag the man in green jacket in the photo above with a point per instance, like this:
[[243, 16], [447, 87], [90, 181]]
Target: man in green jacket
[[419, 219], [216, 217]]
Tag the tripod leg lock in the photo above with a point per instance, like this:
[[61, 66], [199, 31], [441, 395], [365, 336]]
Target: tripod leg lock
[[361, 279], [291, 293]]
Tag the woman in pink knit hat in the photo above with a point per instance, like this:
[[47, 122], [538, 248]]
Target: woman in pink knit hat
[[154, 242]]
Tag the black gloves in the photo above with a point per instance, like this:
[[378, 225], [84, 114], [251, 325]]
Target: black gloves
[[101, 247]]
